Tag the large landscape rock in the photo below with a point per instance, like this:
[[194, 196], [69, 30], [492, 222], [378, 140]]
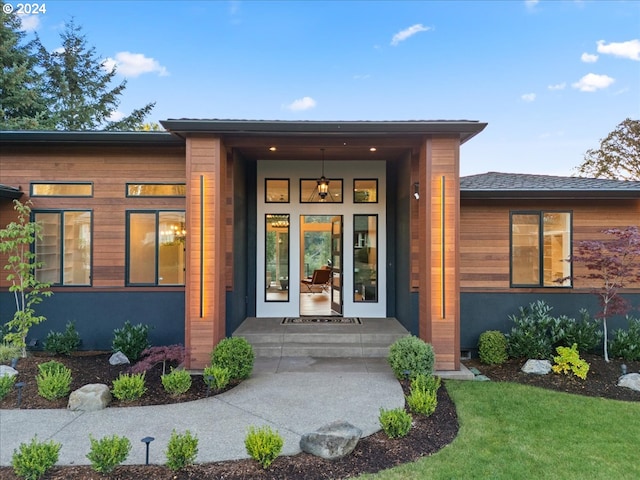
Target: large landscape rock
[[91, 397], [7, 371], [630, 380], [538, 367], [118, 358], [331, 441]]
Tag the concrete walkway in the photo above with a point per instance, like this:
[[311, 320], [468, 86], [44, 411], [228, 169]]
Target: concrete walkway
[[293, 395]]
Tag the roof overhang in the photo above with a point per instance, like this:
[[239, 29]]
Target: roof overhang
[[11, 193], [549, 194], [38, 137]]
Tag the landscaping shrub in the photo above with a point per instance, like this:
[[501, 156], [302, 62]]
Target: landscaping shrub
[[568, 361], [625, 344], [9, 351], [128, 387], [396, 422], [151, 356], [6, 384], [181, 450], [492, 347], [586, 333], [54, 380], [108, 452], [216, 378], [63, 343], [535, 332], [131, 340], [236, 355], [176, 382], [263, 445], [410, 356], [423, 396], [32, 460]]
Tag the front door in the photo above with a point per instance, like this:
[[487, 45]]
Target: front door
[[336, 265]]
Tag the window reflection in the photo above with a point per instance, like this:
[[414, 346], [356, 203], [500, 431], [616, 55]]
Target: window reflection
[[277, 258], [365, 258]]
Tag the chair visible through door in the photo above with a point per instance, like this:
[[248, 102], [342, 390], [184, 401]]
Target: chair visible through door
[[320, 279]]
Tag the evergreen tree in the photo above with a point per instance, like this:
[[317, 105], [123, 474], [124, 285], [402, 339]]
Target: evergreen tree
[[78, 87], [22, 105]]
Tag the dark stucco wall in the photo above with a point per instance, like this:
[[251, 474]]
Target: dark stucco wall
[[490, 311], [97, 314]]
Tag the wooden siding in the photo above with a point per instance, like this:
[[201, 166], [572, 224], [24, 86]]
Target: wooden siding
[[484, 236], [110, 169]]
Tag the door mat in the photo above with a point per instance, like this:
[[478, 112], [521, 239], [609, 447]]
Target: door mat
[[317, 320]]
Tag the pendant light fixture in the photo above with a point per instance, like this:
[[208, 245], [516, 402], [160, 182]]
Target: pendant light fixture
[[323, 182]]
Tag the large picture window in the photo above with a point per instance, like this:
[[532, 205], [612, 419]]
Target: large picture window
[[64, 247], [540, 249], [156, 248]]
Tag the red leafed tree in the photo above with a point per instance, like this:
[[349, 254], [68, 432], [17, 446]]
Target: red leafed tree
[[615, 263]]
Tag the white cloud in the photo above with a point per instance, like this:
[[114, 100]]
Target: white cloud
[[558, 86], [29, 23], [531, 3], [134, 64], [592, 82], [304, 103], [630, 49], [115, 116], [589, 57], [528, 97], [408, 32]]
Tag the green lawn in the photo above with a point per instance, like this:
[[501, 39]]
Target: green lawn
[[512, 431]]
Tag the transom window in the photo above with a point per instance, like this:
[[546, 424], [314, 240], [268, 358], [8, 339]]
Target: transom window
[[156, 189], [64, 247], [540, 249], [156, 248], [61, 189]]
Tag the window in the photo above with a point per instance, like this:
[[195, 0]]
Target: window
[[540, 249], [59, 189], [277, 257], [156, 248], [65, 247], [309, 191], [365, 190], [365, 258], [156, 189], [276, 190]]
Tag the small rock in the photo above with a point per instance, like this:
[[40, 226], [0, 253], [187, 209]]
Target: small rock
[[331, 441], [118, 358], [474, 370], [630, 380], [538, 367], [7, 371], [89, 398], [481, 378]]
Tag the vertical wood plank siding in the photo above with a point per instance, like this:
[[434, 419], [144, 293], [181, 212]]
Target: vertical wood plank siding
[[110, 169], [484, 237]]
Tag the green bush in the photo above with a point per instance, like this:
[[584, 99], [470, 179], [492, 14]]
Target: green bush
[[625, 344], [535, 332], [131, 340], [396, 423], [63, 343], [129, 387], [176, 382], [32, 460], [215, 377], [54, 380], [108, 452], [263, 445], [586, 333], [423, 396], [410, 356], [234, 354], [9, 351], [492, 347], [6, 384], [182, 450], [568, 361]]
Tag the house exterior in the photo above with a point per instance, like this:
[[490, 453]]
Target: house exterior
[[193, 230]]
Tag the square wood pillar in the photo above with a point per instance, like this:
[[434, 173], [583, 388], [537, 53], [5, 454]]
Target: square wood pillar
[[205, 283], [439, 263]]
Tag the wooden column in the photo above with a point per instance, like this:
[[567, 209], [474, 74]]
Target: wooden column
[[439, 264], [205, 285]]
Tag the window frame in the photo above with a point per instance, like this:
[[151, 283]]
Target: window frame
[[35, 195], [128, 195], [61, 231], [355, 181], [266, 190], [315, 181], [540, 214], [127, 270]]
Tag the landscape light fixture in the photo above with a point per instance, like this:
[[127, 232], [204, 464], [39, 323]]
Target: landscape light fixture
[[20, 386], [147, 441]]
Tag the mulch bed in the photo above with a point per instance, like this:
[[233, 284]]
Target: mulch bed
[[372, 454]]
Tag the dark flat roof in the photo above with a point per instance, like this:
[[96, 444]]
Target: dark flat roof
[[519, 185], [35, 137]]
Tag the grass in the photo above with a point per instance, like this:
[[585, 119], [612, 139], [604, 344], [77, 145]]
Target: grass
[[512, 431]]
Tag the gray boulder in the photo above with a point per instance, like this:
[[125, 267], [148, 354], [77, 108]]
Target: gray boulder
[[118, 358], [7, 371], [89, 398], [538, 367], [331, 441], [630, 380]]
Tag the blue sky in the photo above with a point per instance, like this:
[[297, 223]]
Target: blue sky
[[551, 78]]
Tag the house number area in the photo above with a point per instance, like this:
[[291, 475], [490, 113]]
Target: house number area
[[25, 8]]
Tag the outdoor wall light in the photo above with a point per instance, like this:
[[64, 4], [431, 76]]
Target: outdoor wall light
[[20, 386], [147, 441], [416, 190]]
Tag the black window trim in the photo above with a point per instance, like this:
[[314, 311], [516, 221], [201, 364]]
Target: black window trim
[[59, 182], [127, 195]]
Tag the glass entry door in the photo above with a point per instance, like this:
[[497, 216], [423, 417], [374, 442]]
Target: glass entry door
[[336, 264]]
